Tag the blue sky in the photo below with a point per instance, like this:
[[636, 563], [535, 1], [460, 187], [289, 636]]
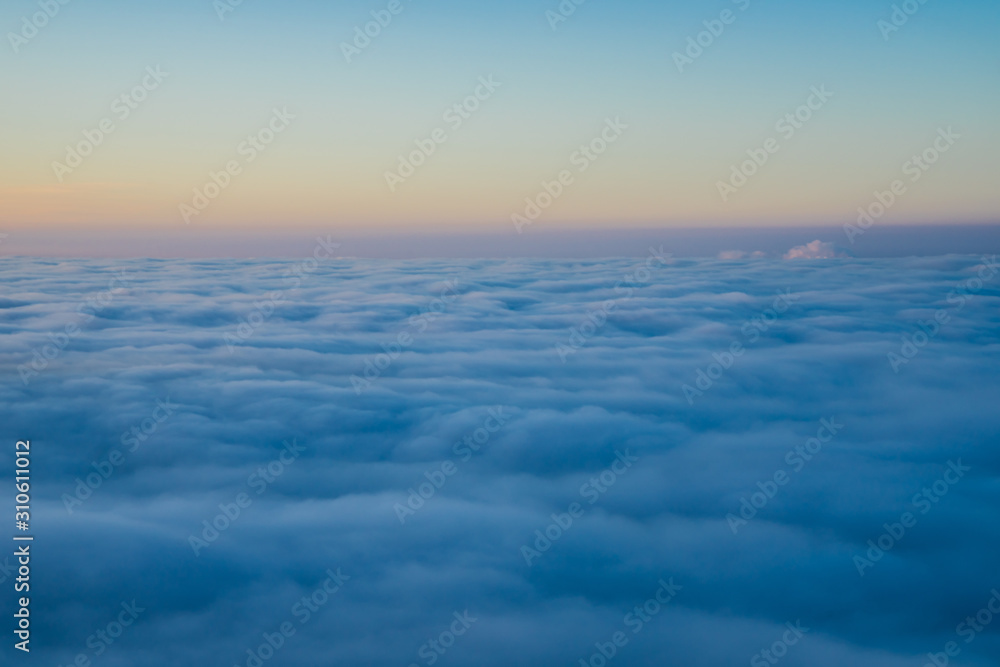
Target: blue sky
[[354, 120]]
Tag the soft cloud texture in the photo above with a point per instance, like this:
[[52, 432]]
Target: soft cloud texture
[[163, 335]]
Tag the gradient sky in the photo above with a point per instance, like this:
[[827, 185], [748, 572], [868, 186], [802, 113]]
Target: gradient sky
[[610, 59]]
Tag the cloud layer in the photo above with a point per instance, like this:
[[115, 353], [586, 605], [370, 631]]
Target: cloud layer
[[401, 430]]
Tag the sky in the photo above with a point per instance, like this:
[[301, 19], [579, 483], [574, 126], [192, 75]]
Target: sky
[[338, 121]]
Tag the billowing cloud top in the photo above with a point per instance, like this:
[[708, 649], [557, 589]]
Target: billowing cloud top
[[506, 462]]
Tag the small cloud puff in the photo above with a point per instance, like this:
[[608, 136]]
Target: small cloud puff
[[815, 250]]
